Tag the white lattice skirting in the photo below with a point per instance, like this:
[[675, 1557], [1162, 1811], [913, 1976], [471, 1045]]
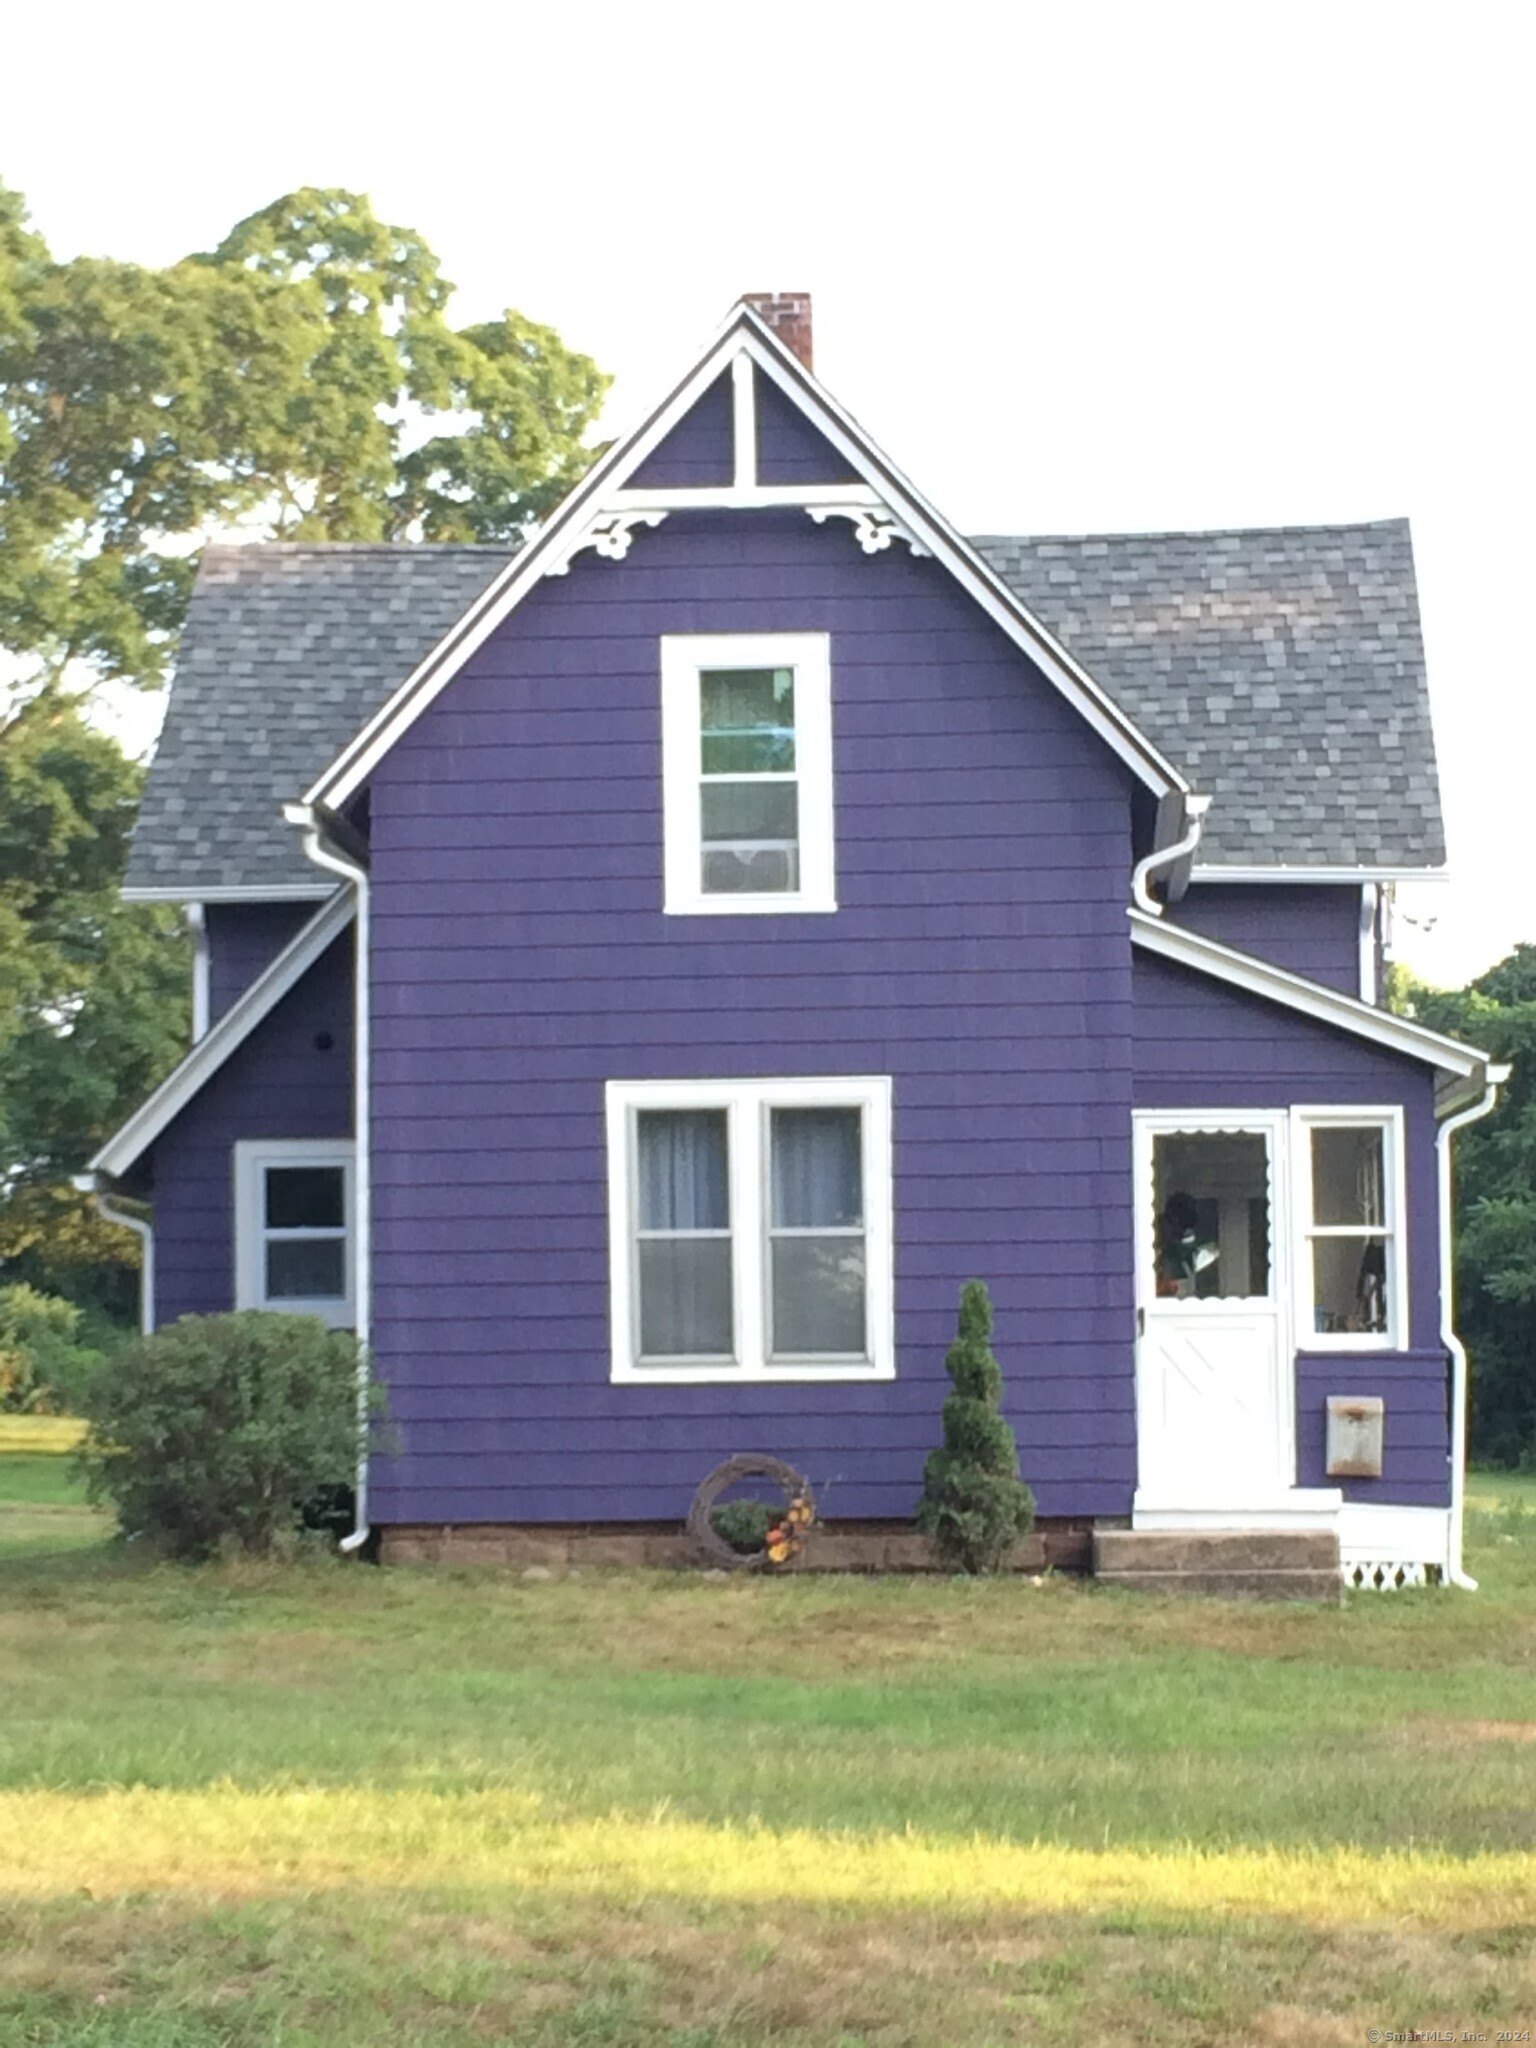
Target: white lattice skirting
[[1388, 1575]]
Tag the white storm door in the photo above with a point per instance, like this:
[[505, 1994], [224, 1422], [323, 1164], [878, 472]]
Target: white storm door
[[1214, 1372]]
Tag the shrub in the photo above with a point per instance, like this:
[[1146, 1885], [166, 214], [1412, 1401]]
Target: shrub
[[744, 1524], [975, 1507], [217, 1429], [44, 1368]]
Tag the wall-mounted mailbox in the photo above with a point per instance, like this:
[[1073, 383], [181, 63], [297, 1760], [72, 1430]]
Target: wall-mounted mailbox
[[1356, 1434]]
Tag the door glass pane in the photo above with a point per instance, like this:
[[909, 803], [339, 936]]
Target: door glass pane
[[1349, 1284], [1211, 1214], [1348, 1175], [747, 719], [818, 1177], [685, 1297], [305, 1198], [306, 1269], [683, 1181], [818, 1296]]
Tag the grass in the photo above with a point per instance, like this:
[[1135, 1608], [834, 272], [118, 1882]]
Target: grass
[[324, 1805]]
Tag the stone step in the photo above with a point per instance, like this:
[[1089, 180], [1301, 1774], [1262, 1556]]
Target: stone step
[[1324, 1588], [1132, 1553]]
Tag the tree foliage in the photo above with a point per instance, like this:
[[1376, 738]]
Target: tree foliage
[[221, 1428], [975, 1507], [301, 381], [1495, 1166]]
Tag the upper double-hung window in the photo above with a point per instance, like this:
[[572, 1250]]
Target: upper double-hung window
[[747, 772]]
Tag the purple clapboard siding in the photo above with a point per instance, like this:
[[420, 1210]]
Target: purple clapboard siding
[[243, 939], [521, 958], [1311, 928], [280, 1084], [789, 449], [699, 450], [1199, 1045]]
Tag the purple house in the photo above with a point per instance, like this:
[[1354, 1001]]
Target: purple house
[[642, 977]]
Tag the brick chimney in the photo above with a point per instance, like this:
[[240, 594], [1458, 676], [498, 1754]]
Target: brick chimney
[[789, 315]]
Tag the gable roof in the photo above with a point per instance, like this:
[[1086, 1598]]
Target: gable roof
[[1282, 668], [134, 1138]]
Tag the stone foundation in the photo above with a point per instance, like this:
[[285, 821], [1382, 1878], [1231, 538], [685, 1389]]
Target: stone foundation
[[1059, 1545]]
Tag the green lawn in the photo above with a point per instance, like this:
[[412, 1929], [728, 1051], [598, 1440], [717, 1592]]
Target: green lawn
[[328, 1805]]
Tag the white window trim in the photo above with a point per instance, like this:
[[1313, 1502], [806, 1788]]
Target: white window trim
[[1388, 1118], [252, 1156], [746, 1104], [683, 656]]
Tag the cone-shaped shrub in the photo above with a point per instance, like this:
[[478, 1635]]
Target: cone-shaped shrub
[[975, 1506]]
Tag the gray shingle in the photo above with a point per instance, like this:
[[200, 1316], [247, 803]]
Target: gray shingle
[[1282, 670]]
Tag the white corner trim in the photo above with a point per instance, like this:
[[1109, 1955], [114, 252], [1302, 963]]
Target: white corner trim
[[1370, 911], [743, 334], [197, 924], [743, 422], [873, 530], [746, 1105], [1310, 998], [683, 656], [224, 1038]]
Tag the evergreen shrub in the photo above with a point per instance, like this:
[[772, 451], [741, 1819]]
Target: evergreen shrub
[[218, 1430], [975, 1507]]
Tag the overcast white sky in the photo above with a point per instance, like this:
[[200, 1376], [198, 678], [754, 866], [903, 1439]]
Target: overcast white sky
[[1094, 267]]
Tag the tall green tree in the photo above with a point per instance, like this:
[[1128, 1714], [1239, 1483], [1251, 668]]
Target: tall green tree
[[1495, 1167], [301, 381]]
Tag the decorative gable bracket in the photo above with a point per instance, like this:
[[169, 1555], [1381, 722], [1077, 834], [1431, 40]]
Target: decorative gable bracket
[[610, 533], [873, 528]]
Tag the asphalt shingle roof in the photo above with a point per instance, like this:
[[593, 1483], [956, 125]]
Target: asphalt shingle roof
[[1282, 670]]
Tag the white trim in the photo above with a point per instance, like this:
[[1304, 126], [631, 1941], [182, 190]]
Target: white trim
[[1377, 1533], [1295, 1507], [683, 657], [746, 1104], [811, 498], [251, 1158], [1257, 977], [203, 892], [1387, 1118], [744, 422], [224, 1038], [743, 333], [1334, 875], [1370, 911], [197, 924]]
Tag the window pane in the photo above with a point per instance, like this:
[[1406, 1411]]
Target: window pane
[[747, 720], [818, 1179], [1211, 1195], [751, 838], [305, 1198], [1348, 1174], [1349, 1284], [683, 1179], [685, 1297], [307, 1269], [818, 1296]]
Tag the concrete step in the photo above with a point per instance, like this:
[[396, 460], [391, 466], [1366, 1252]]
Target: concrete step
[[1224, 1564], [1127, 1551]]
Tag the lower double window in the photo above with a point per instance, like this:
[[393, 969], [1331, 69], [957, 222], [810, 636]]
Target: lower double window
[[750, 1229]]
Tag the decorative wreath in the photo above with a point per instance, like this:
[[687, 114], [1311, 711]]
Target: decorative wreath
[[785, 1538]]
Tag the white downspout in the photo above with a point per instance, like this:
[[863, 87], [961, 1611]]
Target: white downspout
[[1496, 1076], [326, 856], [1195, 808], [143, 1230]]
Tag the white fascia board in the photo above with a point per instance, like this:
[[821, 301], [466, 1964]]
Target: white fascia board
[[233, 892], [1310, 998], [602, 489], [224, 1038], [1352, 877]]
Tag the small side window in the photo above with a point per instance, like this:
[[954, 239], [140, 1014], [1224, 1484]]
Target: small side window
[[293, 1227], [1351, 1279]]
